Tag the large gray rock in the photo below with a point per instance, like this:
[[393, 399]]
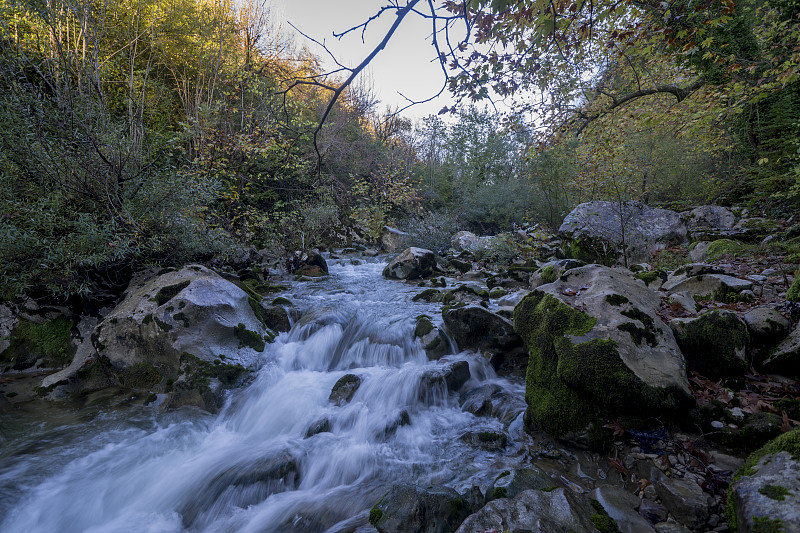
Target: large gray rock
[[597, 346], [534, 511], [408, 508], [392, 239], [767, 325], [474, 328], [412, 263], [715, 343], [193, 310], [769, 495], [609, 232], [709, 217]]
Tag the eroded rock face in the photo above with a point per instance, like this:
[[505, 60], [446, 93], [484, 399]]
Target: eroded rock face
[[412, 263], [192, 310], [597, 346], [535, 511], [608, 232]]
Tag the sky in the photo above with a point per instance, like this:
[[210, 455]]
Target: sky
[[407, 65]]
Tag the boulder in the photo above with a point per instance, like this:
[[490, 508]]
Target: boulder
[[450, 377], [535, 511], [719, 287], [765, 495], [767, 325], [392, 239], [699, 251], [406, 508], [311, 264], [412, 263], [490, 400], [715, 343], [708, 217], [610, 232], [785, 358], [193, 310], [473, 327], [465, 240], [433, 339], [596, 347]]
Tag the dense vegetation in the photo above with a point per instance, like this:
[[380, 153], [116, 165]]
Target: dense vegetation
[[148, 132]]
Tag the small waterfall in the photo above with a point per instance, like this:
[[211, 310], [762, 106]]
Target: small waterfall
[[280, 456]]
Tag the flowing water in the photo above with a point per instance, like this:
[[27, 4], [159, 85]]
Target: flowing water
[[254, 467]]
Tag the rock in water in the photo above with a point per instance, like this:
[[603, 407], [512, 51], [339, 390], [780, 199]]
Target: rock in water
[[412, 263], [407, 508], [597, 346], [607, 232]]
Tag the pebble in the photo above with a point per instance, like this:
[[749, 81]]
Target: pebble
[[767, 272], [717, 424], [737, 413]]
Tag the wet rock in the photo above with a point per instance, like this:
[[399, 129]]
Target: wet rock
[[594, 231], [322, 425], [412, 263], [276, 318], [621, 505], [488, 440], [785, 358], [767, 325], [312, 265], [408, 508], [449, 376], [344, 389], [474, 328], [489, 400], [535, 511], [432, 338], [685, 500], [597, 346], [715, 343], [399, 419], [766, 497], [512, 482]]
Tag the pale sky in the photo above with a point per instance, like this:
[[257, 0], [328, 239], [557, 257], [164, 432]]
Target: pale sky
[[404, 66]]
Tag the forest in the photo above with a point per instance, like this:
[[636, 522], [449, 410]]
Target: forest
[[148, 132]]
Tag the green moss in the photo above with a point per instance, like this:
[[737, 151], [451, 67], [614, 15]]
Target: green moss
[[498, 492], [257, 310], [650, 277], [147, 318], [428, 295], [280, 300], [793, 294], [560, 365], [727, 247], [249, 338], [49, 342], [601, 520], [497, 293], [140, 376], [616, 299], [169, 292], [424, 326], [711, 343], [774, 492], [548, 274], [645, 333], [163, 325], [375, 515], [762, 524]]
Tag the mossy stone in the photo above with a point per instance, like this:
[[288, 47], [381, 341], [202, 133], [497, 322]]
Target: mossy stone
[[249, 338], [793, 294], [169, 292], [30, 342]]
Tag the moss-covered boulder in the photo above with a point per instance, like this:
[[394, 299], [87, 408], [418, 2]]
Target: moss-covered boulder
[[597, 347], [404, 508], [715, 343], [433, 339], [473, 327], [718, 287], [344, 389], [765, 494], [412, 263], [610, 232], [31, 344], [793, 294], [551, 271]]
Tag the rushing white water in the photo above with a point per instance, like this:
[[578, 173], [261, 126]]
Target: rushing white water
[[253, 467]]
